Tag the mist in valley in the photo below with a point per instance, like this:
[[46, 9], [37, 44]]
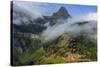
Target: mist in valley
[[45, 39]]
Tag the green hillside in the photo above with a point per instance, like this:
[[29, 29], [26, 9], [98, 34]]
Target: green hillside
[[62, 50]]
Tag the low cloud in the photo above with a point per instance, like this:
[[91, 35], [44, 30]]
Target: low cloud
[[25, 12], [73, 27]]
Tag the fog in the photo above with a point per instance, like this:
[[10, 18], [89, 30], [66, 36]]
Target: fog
[[23, 12], [86, 24], [74, 26]]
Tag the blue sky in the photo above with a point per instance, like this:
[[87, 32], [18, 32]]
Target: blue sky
[[49, 8], [74, 10]]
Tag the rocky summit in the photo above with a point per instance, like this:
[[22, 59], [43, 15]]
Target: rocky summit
[[62, 13]]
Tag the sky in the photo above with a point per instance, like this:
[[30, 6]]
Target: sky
[[49, 8]]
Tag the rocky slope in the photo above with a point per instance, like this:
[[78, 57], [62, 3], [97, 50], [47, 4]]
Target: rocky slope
[[27, 47]]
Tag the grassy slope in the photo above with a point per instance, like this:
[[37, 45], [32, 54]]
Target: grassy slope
[[61, 50]]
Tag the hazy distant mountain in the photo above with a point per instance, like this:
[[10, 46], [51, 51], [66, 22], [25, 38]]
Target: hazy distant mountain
[[25, 23], [62, 13]]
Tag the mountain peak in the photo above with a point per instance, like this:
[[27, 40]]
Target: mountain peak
[[61, 13], [62, 9]]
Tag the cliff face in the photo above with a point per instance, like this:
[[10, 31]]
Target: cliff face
[[62, 13]]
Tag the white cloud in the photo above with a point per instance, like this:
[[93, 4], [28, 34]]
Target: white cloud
[[29, 6], [71, 27]]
